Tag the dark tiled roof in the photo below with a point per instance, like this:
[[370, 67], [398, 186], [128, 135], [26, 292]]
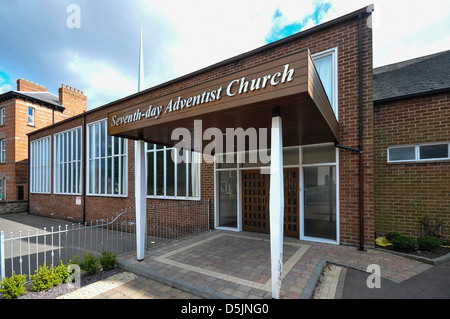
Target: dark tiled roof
[[42, 98], [424, 75]]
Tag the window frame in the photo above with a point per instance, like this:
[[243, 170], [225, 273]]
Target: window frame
[[37, 161], [2, 116], [3, 150], [333, 52], [164, 150], [417, 158], [66, 161], [123, 169], [2, 189], [32, 116]]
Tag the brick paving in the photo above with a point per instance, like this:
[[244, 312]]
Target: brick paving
[[222, 264]]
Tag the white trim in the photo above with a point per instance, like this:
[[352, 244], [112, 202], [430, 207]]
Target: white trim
[[302, 199], [65, 135], [32, 116], [105, 190], [417, 158], [334, 54], [188, 178], [36, 159], [300, 166]]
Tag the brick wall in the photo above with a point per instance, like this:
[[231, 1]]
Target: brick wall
[[28, 86], [344, 36], [408, 192], [74, 101]]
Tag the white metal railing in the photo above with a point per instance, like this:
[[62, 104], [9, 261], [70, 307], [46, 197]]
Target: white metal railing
[[24, 253]]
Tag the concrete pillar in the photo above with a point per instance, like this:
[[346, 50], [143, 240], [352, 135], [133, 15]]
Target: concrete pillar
[[276, 206], [140, 191]]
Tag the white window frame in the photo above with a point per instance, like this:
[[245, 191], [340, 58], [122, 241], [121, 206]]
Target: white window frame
[[335, 98], [31, 116], [2, 115], [3, 151], [2, 188], [417, 158], [73, 159], [105, 189], [186, 196], [40, 165]]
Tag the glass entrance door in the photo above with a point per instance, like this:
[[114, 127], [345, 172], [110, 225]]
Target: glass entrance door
[[319, 196], [320, 202], [228, 199]]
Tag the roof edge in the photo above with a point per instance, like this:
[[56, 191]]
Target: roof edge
[[410, 96], [16, 94]]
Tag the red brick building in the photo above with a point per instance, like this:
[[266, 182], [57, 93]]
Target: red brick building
[[22, 111], [412, 145], [328, 156]]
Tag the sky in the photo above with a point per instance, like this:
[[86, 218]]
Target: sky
[[93, 45]]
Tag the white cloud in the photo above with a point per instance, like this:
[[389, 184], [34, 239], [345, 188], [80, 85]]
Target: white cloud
[[101, 81], [399, 33]]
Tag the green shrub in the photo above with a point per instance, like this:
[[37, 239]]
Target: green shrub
[[391, 235], [404, 243], [428, 243], [13, 287], [108, 260], [90, 263], [62, 273], [44, 279]]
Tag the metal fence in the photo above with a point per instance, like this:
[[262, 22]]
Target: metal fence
[[173, 220], [24, 253]]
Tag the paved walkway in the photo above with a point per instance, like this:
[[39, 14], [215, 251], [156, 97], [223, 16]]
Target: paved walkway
[[223, 264], [230, 265]]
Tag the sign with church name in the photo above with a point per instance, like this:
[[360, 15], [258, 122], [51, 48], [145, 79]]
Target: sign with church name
[[237, 86], [232, 90]]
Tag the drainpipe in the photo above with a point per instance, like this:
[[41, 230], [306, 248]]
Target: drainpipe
[[360, 149], [83, 186], [29, 177], [361, 130]]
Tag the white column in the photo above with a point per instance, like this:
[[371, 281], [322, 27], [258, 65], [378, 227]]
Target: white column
[[276, 206], [140, 191]]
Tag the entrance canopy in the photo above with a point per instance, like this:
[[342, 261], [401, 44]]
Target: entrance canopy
[[242, 99]]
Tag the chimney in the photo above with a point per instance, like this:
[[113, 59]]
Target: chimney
[[74, 100], [27, 86]]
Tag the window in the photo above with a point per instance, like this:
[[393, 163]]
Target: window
[[107, 161], [172, 178], [419, 153], [2, 188], [326, 66], [2, 116], [30, 116], [2, 151], [67, 178], [40, 158]]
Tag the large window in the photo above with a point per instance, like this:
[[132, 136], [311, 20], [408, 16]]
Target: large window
[[326, 65], [107, 161], [419, 153], [67, 178], [168, 177], [40, 158]]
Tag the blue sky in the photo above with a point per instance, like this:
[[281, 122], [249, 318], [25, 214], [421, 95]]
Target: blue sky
[[101, 56]]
